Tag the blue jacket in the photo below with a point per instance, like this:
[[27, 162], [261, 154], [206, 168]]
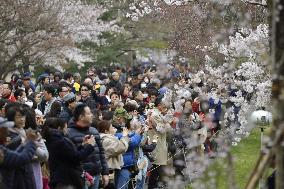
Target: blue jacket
[[129, 157], [14, 163]]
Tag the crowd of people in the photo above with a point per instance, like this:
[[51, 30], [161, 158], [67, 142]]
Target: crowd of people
[[114, 128]]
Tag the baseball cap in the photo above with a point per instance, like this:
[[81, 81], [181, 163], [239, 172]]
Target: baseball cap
[[4, 123], [69, 97], [27, 76]]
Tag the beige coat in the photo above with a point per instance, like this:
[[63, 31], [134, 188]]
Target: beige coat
[[114, 148], [160, 128]]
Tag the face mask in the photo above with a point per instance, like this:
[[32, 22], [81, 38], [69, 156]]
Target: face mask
[[145, 95], [29, 103], [146, 80], [143, 85]]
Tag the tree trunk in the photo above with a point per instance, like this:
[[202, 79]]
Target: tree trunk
[[230, 171], [277, 51], [26, 64]]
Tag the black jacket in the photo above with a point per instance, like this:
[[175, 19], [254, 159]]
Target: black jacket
[[65, 160], [15, 168], [96, 162], [66, 114], [91, 103], [115, 84]]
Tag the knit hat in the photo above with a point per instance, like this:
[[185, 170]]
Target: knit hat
[[121, 112]]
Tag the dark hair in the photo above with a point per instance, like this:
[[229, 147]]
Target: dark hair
[[85, 85], [52, 123], [3, 102], [79, 110], [107, 115], [158, 100], [153, 91], [18, 93], [51, 89], [41, 78], [113, 88], [61, 85], [30, 98], [96, 113], [103, 126], [102, 77], [18, 84], [135, 93], [130, 107], [67, 76], [9, 85], [47, 70], [13, 109], [30, 118], [15, 77], [33, 95], [57, 74], [113, 93], [55, 109], [127, 123]]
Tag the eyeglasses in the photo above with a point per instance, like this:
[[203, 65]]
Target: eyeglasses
[[71, 101], [84, 90], [65, 91]]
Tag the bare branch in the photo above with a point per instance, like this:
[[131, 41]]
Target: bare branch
[[256, 3]]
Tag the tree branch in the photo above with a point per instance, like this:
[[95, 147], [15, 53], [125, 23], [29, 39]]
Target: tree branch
[[256, 3]]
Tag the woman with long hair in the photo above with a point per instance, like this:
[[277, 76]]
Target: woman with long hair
[[41, 154]]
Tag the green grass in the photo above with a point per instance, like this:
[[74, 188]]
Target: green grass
[[245, 156]]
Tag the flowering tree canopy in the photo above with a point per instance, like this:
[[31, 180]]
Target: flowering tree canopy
[[46, 32]]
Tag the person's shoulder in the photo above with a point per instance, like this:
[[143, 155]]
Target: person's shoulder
[[93, 130]]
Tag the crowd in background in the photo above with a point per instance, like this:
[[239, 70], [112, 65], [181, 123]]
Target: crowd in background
[[114, 128]]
